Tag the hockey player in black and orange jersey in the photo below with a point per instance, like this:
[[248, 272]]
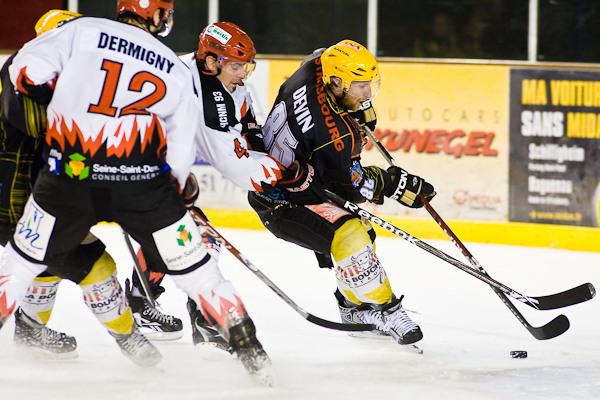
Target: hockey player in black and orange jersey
[[314, 120], [113, 150]]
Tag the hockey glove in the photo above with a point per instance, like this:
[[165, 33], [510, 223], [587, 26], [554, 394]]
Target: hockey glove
[[366, 115], [190, 191], [406, 188], [252, 132], [302, 184]]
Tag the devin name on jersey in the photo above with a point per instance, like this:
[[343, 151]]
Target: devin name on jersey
[[224, 118], [306, 125], [118, 103]]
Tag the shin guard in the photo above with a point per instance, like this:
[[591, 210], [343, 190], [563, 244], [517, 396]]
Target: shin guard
[[360, 276], [105, 297]]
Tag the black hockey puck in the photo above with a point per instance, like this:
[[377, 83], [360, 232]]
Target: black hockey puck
[[518, 354]]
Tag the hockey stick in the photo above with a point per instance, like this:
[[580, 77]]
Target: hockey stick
[[567, 298], [558, 300], [139, 270], [201, 221], [552, 329]]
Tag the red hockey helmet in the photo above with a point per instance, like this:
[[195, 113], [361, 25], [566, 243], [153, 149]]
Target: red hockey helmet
[[228, 42], [146, 9]]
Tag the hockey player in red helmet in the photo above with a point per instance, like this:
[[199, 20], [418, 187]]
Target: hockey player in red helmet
[[230, 48], [222, 62], [158, 14]]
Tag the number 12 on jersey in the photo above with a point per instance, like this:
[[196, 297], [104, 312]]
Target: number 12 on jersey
[[105, 104]]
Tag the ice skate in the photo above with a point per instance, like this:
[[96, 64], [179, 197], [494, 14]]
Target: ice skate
[[390, 320], [353, 314], [203, 333], [138, 348], [399, 325], [35, 336], [250, 352], [153, 323]]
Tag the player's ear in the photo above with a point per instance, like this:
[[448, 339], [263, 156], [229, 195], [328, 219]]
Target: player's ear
[[157, 18]]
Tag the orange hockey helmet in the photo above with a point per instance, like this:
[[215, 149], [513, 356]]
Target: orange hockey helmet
[[228, 42], [146, 9]]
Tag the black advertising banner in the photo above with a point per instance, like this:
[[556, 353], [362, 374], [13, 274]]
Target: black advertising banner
[[554, 146]]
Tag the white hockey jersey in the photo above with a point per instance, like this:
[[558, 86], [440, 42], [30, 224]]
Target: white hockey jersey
[[123, 102], [219, 140]]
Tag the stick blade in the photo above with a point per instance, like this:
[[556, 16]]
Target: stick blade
[[338, 326], [552, 329], [570, 297]]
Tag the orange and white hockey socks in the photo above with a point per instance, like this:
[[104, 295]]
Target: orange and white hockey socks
[[16, 274]]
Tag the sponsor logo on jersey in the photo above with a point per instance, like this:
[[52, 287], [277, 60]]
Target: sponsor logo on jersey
[[178, 248], [124, 173], [218, 33], [33, 230], [356, 174], [184, 236], [76, 168], [54, 161]]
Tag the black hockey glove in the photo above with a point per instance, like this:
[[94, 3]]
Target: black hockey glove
[[302, 184], [366, 115], [252, 132], [190, 191], [406, 188]]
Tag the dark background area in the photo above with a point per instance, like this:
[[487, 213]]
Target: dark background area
[[480, 29]]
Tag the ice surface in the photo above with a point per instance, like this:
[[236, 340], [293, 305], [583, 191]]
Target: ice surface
[[468, 334]]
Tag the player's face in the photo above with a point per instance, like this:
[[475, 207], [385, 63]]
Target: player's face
[[234, 73], [358, 93]]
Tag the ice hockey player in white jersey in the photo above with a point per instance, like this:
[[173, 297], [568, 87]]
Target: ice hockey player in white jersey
[[223, 60], [114, 147]]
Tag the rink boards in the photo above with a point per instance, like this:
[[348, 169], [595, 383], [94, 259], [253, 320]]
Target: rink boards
[[512, 151]]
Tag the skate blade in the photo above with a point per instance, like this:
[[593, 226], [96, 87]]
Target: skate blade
[[264, 376], [47, 355], [413, 348], [155, 336], [369, 335], [146, 362]]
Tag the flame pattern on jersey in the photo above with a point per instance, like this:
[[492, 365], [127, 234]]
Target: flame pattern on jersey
[[5, 309], [272, 175], [58, 131], [222, 310]]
